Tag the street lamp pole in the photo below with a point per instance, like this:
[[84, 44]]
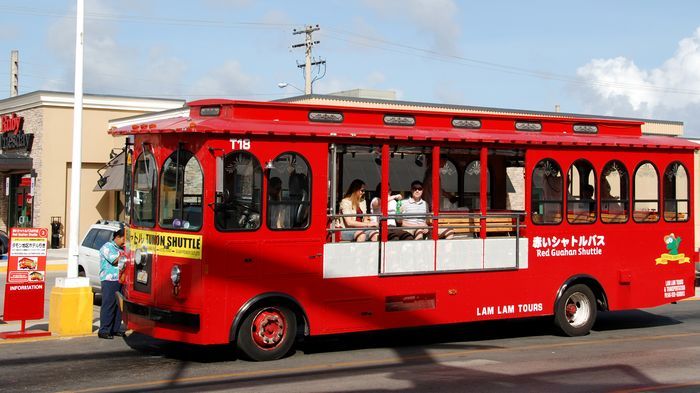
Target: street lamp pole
[[282, 85]]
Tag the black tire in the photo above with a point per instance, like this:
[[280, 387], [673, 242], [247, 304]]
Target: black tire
[[258, 344], [576, 311]]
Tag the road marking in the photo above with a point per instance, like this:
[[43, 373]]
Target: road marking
[[376, 362], [45, 338]]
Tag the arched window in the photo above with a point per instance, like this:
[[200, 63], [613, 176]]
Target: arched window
[[472, 186], [614, 193], [676, 191], [242, 199], [580, 199], [547, 185], [289, 192], [646, 193], [449, 185], [145, 190], [181, 192]]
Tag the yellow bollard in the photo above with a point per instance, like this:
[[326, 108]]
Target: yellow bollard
[[70, 311]]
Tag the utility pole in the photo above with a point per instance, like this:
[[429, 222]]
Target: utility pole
[[14, 73], [308, 44]]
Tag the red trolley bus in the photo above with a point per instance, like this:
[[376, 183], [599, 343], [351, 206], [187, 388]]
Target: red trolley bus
[[257, 222]]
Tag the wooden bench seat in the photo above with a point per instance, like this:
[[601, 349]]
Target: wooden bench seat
[[471, 225]]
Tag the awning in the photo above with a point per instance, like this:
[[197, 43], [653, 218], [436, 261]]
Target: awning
[[112, 178], [10, 163]]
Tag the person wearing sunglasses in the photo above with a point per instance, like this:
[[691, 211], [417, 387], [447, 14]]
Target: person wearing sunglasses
[[353, 203], [416, 205]]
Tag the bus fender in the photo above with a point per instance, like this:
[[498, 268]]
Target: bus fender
[[592, 283], [279, 298]]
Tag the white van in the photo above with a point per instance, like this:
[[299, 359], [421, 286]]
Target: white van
[[89, 259]]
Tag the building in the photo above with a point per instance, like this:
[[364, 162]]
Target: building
[[36, 153]]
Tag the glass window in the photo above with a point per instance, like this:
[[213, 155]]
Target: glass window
[[547, 186], [242, 199], [472, 186], [289, 192], [646, 193], [614, 193], [181, 192], [145, 183], [90, 238], [580, 199], [103, 236], [676, 191]]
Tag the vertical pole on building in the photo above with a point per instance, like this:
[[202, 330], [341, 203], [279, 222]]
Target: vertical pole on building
[[14, 73], [76, 162]]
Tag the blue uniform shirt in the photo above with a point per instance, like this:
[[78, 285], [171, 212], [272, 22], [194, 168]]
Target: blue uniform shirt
[[109, 253]]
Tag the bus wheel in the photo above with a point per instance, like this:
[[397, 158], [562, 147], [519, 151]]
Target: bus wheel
[[575, 311], [267, 333]]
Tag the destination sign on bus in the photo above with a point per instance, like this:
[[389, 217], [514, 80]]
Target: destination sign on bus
[[167, 244]]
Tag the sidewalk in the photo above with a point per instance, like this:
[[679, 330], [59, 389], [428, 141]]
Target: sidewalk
[[56, 260]]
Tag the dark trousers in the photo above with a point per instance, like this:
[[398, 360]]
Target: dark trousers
[[110, 316]]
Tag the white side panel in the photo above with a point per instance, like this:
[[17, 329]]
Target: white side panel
[[409, 256], [350, 259], [462, 254], [500, 253]]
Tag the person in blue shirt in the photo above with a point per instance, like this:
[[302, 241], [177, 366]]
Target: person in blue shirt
[[112, 260]]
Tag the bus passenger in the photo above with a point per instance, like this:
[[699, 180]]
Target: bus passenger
[[279, 214], [353, 202], [416, 205], [376, 208]]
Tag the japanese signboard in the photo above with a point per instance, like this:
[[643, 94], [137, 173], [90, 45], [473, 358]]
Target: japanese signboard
[[26, 274]]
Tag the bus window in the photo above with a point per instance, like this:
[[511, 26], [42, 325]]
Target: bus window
[[144, 198], [676, 188], [181, 192], [646, 193], [580, 200], [242, 197], [289, 192], [547, 185], [614, 193], [472, 185]]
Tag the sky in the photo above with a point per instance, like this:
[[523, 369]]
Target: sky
[[624, 58]]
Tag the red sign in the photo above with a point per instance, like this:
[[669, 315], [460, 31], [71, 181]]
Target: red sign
[[12, 123], [26, 274]]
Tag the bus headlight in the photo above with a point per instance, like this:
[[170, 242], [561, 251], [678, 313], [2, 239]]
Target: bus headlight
[[140, 255], [175, 275]]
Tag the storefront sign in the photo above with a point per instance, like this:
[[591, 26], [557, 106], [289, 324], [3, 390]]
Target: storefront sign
[[26, 274], [12, 123], [13, 136]]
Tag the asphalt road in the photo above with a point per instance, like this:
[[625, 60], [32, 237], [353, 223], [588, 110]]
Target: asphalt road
[[640, 350]]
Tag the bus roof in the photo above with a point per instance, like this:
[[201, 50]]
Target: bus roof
[[220, 116]]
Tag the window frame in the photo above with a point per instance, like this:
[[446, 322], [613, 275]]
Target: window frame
[[595, 193], [687, 200], [179, 194], [262, 185], [634, 193], [623, 201], [154, 189], [542, 201], [309, 177]]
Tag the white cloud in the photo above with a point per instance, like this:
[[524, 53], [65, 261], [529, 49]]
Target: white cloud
[[435, 17], [671, 91], [228, 80]]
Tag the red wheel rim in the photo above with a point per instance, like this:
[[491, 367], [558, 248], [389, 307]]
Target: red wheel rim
[[269, 328]]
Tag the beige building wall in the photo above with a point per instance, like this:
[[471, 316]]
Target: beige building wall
[[49, 116], [53, 181]]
